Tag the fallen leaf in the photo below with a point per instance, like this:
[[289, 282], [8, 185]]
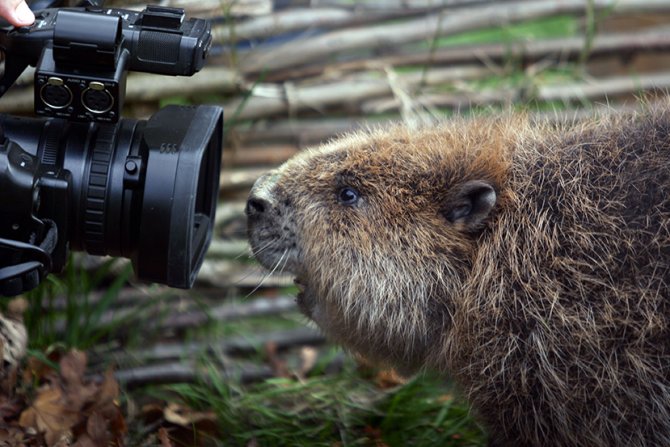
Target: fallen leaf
[[164, 438], [278, 365], [96, 428], [71, 408], [73, 367], [109, 389], [10, 408], [9, 381], [189, 427], [151, 413], [85, 441], [186, 417], [376, 435], [36, 370], [72, 370], [12, 436], [444, 398], [47, 414], [389, 378], [308, 358]]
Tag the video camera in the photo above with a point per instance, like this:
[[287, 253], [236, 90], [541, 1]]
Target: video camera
[[81, 178]]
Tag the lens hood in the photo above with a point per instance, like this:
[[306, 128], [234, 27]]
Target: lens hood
[[181, 186]]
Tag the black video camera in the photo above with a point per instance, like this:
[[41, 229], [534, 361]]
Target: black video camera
[[81, 178]]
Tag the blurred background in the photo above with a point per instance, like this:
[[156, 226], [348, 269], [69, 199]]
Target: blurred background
[[232, 362]]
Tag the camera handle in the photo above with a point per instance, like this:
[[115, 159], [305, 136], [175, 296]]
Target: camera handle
[[23, 266]]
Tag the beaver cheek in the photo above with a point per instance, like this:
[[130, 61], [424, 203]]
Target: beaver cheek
[[271, 225], [317, 313], [310, 306], [306, 302]]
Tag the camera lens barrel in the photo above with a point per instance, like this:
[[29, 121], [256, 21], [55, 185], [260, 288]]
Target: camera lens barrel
[[180, 192], [145, 190]]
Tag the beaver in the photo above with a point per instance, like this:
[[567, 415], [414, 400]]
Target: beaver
[[526, 260]]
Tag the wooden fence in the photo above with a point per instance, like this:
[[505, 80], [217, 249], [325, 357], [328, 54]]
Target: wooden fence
[[290, 74]]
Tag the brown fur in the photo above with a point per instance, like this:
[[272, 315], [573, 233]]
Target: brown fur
[[552, 311]]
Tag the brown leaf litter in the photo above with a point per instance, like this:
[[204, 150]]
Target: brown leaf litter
[[66, 410]]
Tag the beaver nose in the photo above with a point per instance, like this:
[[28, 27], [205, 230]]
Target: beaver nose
[[256, 206], [260, 199]]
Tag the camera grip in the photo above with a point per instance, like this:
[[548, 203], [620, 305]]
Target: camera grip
[[155, 47]]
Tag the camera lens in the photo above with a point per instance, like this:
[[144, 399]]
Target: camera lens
[[144, 190], [56, 94]]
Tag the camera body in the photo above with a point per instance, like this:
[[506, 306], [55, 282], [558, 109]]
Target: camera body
[[82, 178], [82, 55]]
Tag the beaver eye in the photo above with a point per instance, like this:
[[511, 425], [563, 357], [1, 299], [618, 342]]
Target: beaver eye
[[348, 196]]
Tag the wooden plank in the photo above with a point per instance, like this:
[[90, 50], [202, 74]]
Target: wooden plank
[[448, 22]]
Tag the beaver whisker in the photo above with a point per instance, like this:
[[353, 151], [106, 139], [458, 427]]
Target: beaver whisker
[[262, 248], [245, 252], [250, 272], [260, 284], [281, 269]]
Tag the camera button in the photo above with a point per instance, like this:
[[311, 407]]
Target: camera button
[[131, 167]]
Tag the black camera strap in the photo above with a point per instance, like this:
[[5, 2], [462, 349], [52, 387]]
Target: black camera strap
[[24, 265]]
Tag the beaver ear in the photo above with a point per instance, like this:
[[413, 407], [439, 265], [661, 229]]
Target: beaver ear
[[471, 204]]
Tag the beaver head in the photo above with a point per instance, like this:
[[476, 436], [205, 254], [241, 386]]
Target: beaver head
[[379, 228]]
